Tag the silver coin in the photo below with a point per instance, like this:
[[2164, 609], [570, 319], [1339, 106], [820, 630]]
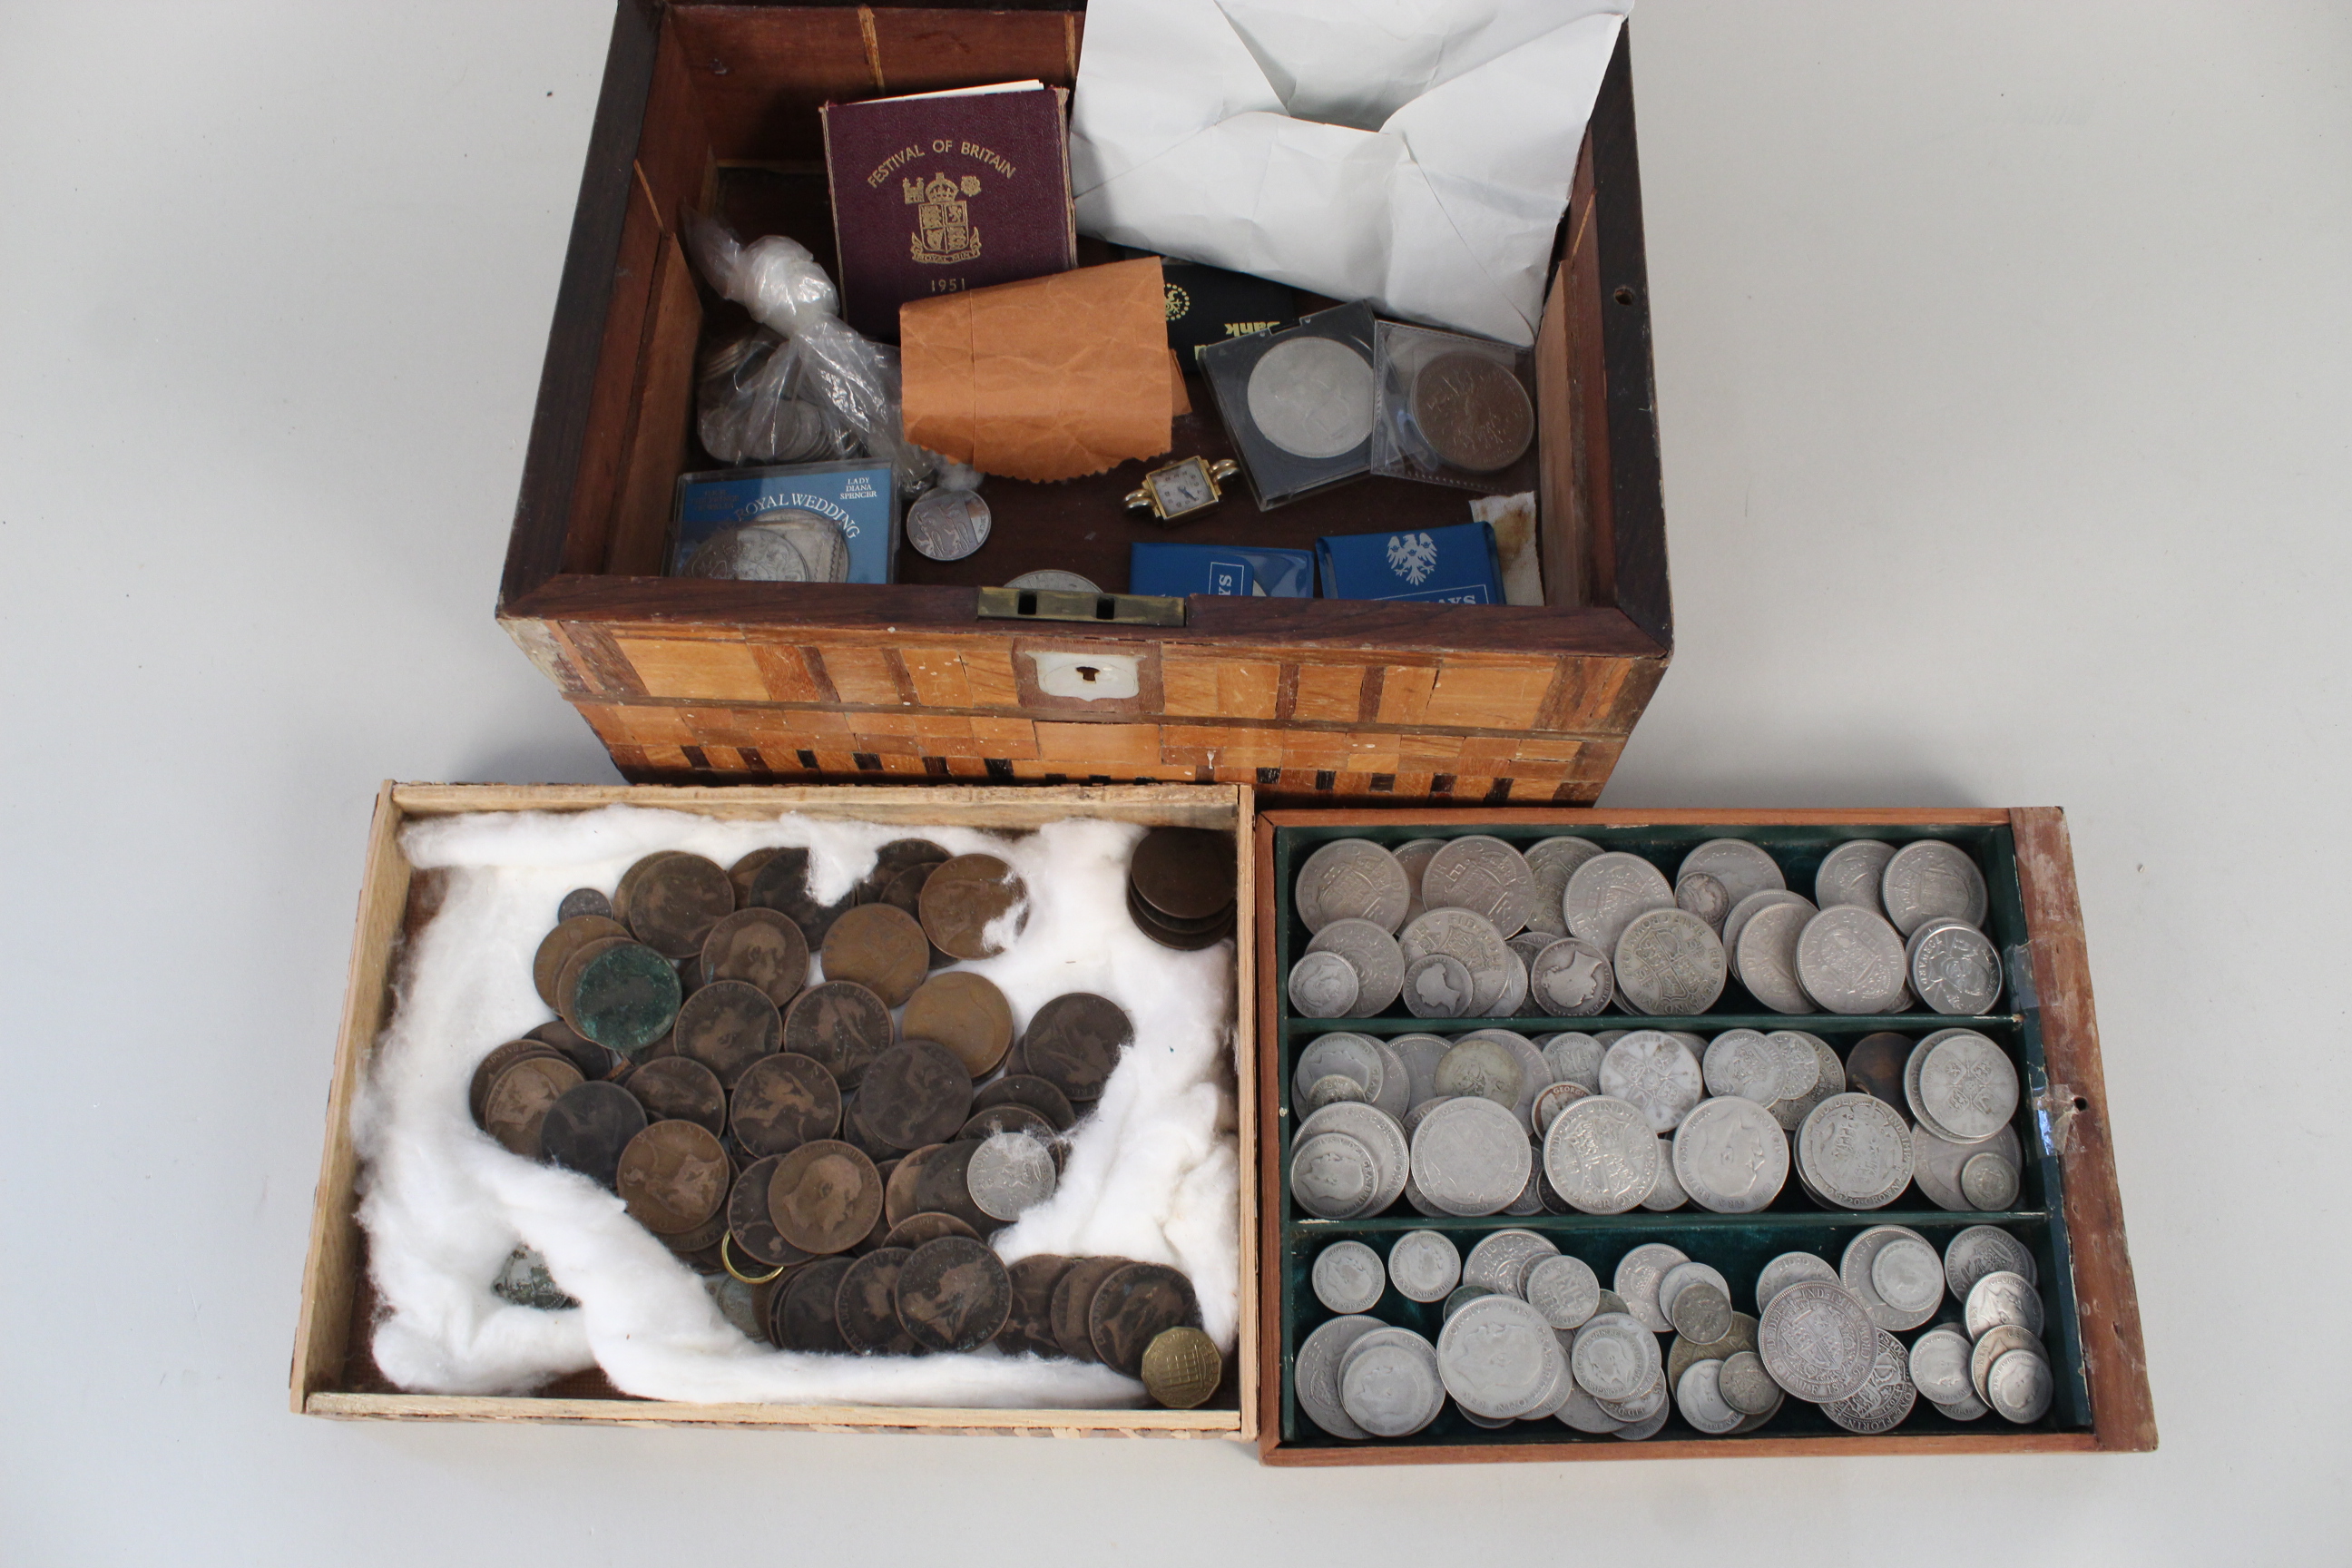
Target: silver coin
[[1351, 878], [1961, 1085], [1564, 1290], [1574, 1057], [1885, 1397], [1937, 1163], [1650, 1402], [1552, 861], [1419, 1201], [1582, 1413], [1990, 1346], [1666, 1193], [1601, 1155], [1637, 1278], [1498, 1356], [1954, 968], [948, 525], [1768, 957], [1653, 1070], [1797, 1068], [1699, 1395], [1550, 1101], [1475, 1419], [1054, 582], [1929, 879], [1608, 891], [1420, 1053], [748, 555], [1829, 1079], [1347, 1277], [1857, 1271], [1323, 985], [1855, 1153], [1983, 1249], [1668, 962], [1701, 1312], [1314, 1374], [1500, 1259], [1484, 876], [1424, 1265], [1395, 1097], [1745, 1387], [1988, 1182], [1849, 961], [1849, 874], [1560, 1382], [1413, 857], [818, 539], [1743, 1063], [1745, 909], [1372, 954], [1483, 1067], [1514, 999], [2001, 1298], [1730, 1156], [1908, 1277], [1377, 1131], [1009, 1174], [1469, 1157], [1333, 1176], [1787, 1269], [1670, 1288], [1312, 397], [1473, 939], [1535, 1073], [1705, 897], [1816, 1341], [1389, 1383], [1939, 1365], [1349, 1056], [1570, 978], [1422, 1112], [1643, 1431], [1460, 1297], [1970, 1409], [2018, 1386], [1330, 1090], [1742, 867], [1615, 1357]]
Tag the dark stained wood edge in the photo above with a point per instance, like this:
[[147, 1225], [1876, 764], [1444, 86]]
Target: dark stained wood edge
[[1268, 1281], [567, 378], [1635, 485], [1683, 1448], [2115, 1357]]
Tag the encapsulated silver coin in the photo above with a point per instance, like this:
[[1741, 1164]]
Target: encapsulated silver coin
[[1816, 1341], [1953, 967], [1855, 1153], [1564, 1290], [1608, 891], [1009, 1174], [1574, 1057], [1312, 397], [1424, 1265], [1314, 1374], [1937, 1164], [1473, 939], [1705, 897], [1988, 1182], [1653, 1070], [1851, 961], [2002, 1297], [2018, 1386], [1323, 985], [1885, 1397], [1499, 1261], [1730, 1156], [1638, 1276], [1786, 1271], [1372, 954], [1350, 1056], [1347, 1277], [1413, 857], [752, 553], [1615, 1357], [1498, 1357], [1420, 1053], [1389, 1383], [1858, 1272], [1666, 1193], [1601, 1155], [1380, 1134], [1961, 1085], [1470, 1157], [1983, 1249], [1939, 1365], [1669, 962], [1551, 861], [818, 539], [1742, 867], [1351, 878], [948, 524], [1053, 582], [1570, 978], [1849, 874], [1333, 1176], [1483, 1067], [1929, 879], [1484, 876], [1768, 957]]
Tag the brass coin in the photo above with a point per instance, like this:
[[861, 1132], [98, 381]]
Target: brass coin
[[881, 948], [1029, 1089], [675, 900], [867, 1306], [963, 897], [743, 870], [841, 1026], [783, 1102], [1070, 1312], [943, 1186], [824, 1197], [964, 1012], [801, 1317], [566, 939], [584, 902], [894, 860], [915, 1092], [781, 884], [587, 1128], [1170, 936], [592, 1060], [1181, 1367], [621, 994], [520, 1097], [953, 1294], [673, 1176], [1131, 1309], [743, 1268], [759, 947], [747, 1221], [675, 1088], [1184, 873], [728, 1025], [1029, 1327], [1473, 411], [1875, 1066], [918, 1228], [1073, 1042], [898, 1203], [1009, 1119], [853, 1131], [486, 1070]]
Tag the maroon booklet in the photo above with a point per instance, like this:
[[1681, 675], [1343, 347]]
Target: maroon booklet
[[940, 192]]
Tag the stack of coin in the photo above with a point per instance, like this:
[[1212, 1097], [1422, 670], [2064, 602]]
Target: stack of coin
[[1181, 886]]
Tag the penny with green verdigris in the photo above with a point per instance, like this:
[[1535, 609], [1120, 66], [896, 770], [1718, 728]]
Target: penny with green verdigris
[[627, 997]]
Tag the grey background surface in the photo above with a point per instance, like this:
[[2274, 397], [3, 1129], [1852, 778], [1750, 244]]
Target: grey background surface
[[2002, 361]]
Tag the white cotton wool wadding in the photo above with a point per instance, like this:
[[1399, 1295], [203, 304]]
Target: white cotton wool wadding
[[1152, 1172]]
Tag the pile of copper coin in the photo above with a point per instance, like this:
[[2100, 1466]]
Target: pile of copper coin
[[839, 1174], [1179, 887]]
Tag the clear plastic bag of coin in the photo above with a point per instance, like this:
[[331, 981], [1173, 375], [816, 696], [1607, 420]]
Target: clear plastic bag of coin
[[1298, 403], [1453, 410]]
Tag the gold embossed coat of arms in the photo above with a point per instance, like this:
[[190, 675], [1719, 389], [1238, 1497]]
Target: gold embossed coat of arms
[[944, 233]]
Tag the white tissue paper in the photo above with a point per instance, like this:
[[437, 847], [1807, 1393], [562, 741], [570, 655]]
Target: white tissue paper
[[1152, 1174], [1414, 152]]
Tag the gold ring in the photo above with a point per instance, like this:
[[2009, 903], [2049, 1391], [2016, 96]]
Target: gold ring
[[727, 1261]]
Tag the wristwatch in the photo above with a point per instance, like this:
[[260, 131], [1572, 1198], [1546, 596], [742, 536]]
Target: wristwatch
[[1180, 489]]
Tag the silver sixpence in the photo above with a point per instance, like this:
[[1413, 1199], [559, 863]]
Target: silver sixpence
[[1484, 876], [1483, 1067], [1424, 1265], [1473, 939], [1666, 1195], [1983, 1249], [1670, 1287], [2002, 1297], [1054, 582], [1961, 1085], [1315, 1376], [1570, 978], [1470, 1156], [1500, 1259], [1849, 874], [1929, 879], [1552, 861], [1787, 1269], [1323, 985], [1437, 986], [819, 540], [1497, 1357], [748, 555], [1564, 1290], [1389, 1383], [1009, 1174], [1699, 1396], [1333, 1176], [1652, 1069], [1550, 1101], [1857, 1272], [1768, 957], [1742, 867], [1312, 397], [1939, 1365], [1349, 1056], [1730, 1156], [1745, 909], [1601, 1155], [1372, 954], [1347, 1277], [1851, 961], [1669, 962], [1703, 896], [1939, 1161], [948, 525], [1908, 1277], [1886, 1396], [1574, 1057], [1988, 1182], [1701, 1313], [1608, 891], [2018, 1386], [1745, 1387], [1954, 968], [1854, 1152], [1351, 878], [1638, 1275], [1420, 1053], [1615, 1357], [1816, 1341]]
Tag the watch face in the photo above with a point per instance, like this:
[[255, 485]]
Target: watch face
[[1184, 488]]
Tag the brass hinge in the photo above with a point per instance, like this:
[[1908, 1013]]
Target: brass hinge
[[1050, 604]]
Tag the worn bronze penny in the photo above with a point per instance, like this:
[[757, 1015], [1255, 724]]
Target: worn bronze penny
[[747, 1221], [677, 1089], [881, 948], [673, 1176], [894, 860], [1131, 1309], [915, 1093], [728, 1025], [1029, 1089], [592, 1060], [1184, 873], [622, 994], [632, 877], [867, 1306], [520, 1097], [1070, 1312], [1170, 926], [486, 1070], [1073, 1042], [802, 1318], [953, 1294], [825, 1195], [905, 891], [964, 1012], [1029, 1325], [1170, 936], [676, 901], [918, 1228], [1009, 1119], [781, 884], [584, 902], [560, 943], [587, 1128], [841, 1026], [759, 947], [898, 1188], [963, 897], [876, 1234], [944, 1185], [1181, 1367], [853, 1131], [1875, 1066], [783, 1102], [743, 870], [699, 1247], [1473, 411]]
